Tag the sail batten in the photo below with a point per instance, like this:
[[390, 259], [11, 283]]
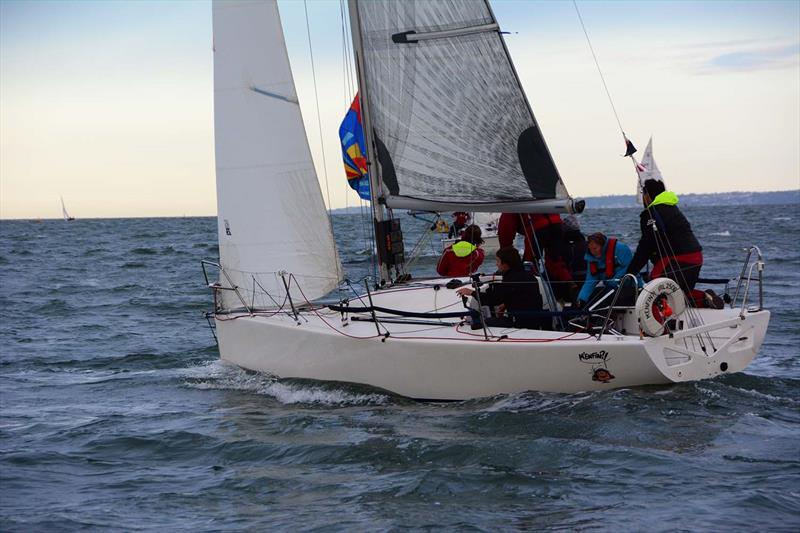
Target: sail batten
[[412, 36]]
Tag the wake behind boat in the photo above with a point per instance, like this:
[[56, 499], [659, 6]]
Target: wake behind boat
[[412, 337]]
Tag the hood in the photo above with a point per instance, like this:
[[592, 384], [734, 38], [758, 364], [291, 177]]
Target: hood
[[665, 198], [463, 248]]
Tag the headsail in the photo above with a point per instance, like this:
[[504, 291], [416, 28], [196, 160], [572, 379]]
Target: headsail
[[271, 216], [452, 126]]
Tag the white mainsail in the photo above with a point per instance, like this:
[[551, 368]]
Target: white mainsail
[[271, 215], [64, 212]]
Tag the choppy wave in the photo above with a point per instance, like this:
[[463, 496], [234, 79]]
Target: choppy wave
[[222, 376], [144, 251], [118, 414]]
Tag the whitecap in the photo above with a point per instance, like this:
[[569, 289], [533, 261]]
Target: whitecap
[[782, 218], [218, 375], [725, 233]]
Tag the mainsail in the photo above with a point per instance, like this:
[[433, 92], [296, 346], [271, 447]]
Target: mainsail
[[271, 216], [450, 121]]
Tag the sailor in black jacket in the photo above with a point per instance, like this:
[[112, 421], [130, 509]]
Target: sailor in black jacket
[[667, 240], [517, 296]]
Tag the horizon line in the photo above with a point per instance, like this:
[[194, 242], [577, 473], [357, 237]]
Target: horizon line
[[797, 190]]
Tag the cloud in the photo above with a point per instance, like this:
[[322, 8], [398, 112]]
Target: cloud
[[773, 57]]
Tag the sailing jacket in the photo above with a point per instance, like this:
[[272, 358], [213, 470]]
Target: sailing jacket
[[460, 259], [676, 240], [608, 268], [519, 291]]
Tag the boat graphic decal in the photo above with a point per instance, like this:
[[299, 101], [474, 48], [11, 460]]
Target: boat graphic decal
[[599, 362]]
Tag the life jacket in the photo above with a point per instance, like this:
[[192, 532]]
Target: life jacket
[[611, 249], [542, 221]]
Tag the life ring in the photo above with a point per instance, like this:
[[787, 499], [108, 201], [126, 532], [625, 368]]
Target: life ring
[[660, 301]]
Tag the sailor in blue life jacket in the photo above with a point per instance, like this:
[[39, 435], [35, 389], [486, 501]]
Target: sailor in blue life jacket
[[607, 260]]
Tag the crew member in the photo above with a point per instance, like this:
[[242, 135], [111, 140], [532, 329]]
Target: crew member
[[670, 244], [607, 260], [516, 299], [460, 219], [547, 231], [464, 257]]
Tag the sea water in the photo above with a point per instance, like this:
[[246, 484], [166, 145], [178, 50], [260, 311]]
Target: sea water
[[118, 415]]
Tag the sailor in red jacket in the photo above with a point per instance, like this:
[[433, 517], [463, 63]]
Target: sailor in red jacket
[[460, 219], [546, 230], [463, 257]]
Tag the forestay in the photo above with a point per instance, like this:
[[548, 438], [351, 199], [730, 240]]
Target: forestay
[[271, 216], [450, 120]]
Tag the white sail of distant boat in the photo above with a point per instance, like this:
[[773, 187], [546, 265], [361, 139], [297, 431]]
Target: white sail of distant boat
[[646, 169], [448, 128], [64, 212]]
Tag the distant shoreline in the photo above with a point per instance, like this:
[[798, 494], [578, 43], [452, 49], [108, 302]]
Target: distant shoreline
[[687, 199], [614, 201]]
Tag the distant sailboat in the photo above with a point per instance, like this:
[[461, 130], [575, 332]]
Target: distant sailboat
[[64, 212]]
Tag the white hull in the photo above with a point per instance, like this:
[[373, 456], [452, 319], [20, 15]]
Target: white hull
[[453, 363]]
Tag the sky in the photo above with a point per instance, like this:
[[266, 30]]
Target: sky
[[110, 103]]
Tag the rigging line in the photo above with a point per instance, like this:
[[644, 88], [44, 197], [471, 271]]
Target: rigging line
[[597, 63], [321, 138], [345, 88], [347, 61], [349, 51], [344, 54]]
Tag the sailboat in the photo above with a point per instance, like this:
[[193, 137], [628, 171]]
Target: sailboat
[[64, 212], [434, 78]]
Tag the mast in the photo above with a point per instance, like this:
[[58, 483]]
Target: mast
[[377, 198]]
